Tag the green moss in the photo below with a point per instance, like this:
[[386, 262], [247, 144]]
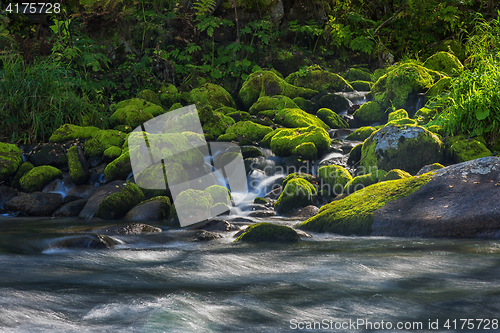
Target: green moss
[[318, 79], [354, 74], [228, 137], [361, 134], [368, 113], [133, 112], [462, 149], [10, 159], [362, 85], [296, 194], [249, 130], [277, 102], [118, 204], [164, 209], [194, 202], [444, 62], [268, 232], [395, 174], [398, 114], [123, 128], [23, 169], [306, 150], [402, 121], [226, 110], [111, 154], [424, 115], [266, 83], [102, 140], [38, 177], [68, 132], [332, 119], [335, 177], [295, 118], [360, 182], [284, 141], [304, 104], [152, 179], [296, 175], [214, 94], [119, 168], [355, 154], [218, 124], [442, 86], [175, 106], [379, 72], [76, 166], [266, 141], [354, 214], [259, 201], [240, 116], [150, 96], [250, 151], [219, 194], [436, 129]]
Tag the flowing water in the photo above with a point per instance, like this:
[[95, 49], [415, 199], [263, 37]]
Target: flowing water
[[157, 283]]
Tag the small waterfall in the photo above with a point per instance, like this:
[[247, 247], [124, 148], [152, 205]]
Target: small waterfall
[[61, 186]]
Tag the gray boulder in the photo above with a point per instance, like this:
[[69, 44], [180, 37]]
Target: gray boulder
[[35, 204]]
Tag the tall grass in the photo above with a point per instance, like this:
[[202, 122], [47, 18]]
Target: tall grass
[[37, 98]]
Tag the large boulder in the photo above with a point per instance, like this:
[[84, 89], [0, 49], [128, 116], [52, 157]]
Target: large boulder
[[277, 102], [68, 132], [369, 113], [285, 140], [294, 118], [459, 201], [214, 94], [49, 154], [249, 130], [361, 134], [444, 62], [35, 204], [133, 112], [332, 119], [401, 147], [297, 193], [316, 78], [119, 168], [102, 140], [334, 102], [268, 232], [267, 83], [154, 209], [98, 196], [38, 177], [335, 177], [10, 160], [462, 149], [119, 203], [78, 166], [72, 208]]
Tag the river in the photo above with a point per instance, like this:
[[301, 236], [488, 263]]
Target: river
[[158, 283]]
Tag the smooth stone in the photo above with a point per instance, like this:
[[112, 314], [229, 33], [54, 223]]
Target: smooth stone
[[36, 203], [72, 208], [128, 229], [102, 193]]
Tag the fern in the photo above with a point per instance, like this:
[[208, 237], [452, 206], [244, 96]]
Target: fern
[[205, 7]]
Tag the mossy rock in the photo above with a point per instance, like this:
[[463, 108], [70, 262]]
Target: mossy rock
[[362, 181], [68, 132], [287, 62], [226, 110], [155, 208], [194, 204], [250, 151], [424, 115], [297, 175], [361, 134], [175, 106], [266, 141], [36, 179], [102, 140], [335, 177], [394, 88], [403, 147], [398, 114], [454, 47], [240, 116], [369, 113], [78, 166], [266, 83], [268, 232], [306, 150], [249, 130], [118, 204], [111, 154], [23, 169], [10, 160], [133, 112], [462, 149], [334, 102], [152, 179], [395, 174], [219, 194], [169, 95], [218, 124], [444, 62], [318, 79], [277, 102], [354, 74], [295, 118], [354, 213], [284, 141], [123, 128], [119, 168], [296, 194], [228, 137], [260, 201], [214, 94], [150, 96], [362, 85], [429, 168], [332, 119], [355, 155], [402, 121], [304, 104], [379, 72], [442, 86]]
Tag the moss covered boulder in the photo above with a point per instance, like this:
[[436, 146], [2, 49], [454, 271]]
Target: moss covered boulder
[[277, 102], [102, 140], [119, 203], [218, 124], [362, 85], [354, 214], [78, 166], [361, 134], [133, 112], [360, 182], [68, 132], [398, 114], [150, 96], [424, 115], [369, 113], [297, 193], [318, 79], [169, 95], [394, 88], [395, 174], [284, 141], [305, 104], [154, 209], [111, 154], [193, 206], [294, 118], [444, 62], [23, 169], [403, 147], [461, 149], [214, 94], [306, 150], [355, 155], [119, 168], [10, 160], [332, 119], [219, 194], [38, 177], [268, 232], [249, 130], [441, 86], [267, 83], [335, 102], [335, 177], [354, 74]]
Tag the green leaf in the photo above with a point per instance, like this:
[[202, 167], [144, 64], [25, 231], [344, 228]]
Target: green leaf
[[482, 113]]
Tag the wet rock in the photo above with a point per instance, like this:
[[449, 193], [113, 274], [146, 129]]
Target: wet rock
[[459, 201], [268, 232], [429, 167], [306, 212], [35, 204], [262, 213], [200, 236], [215, 225], [119, 203], [72, 208], [10, 160], [38, 177], [49, 154], [90, 241], [297, 193], [82, 191], [7, 193], [71, 198], [154, 209], [100, 194], [78, 166], [128, 229]]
